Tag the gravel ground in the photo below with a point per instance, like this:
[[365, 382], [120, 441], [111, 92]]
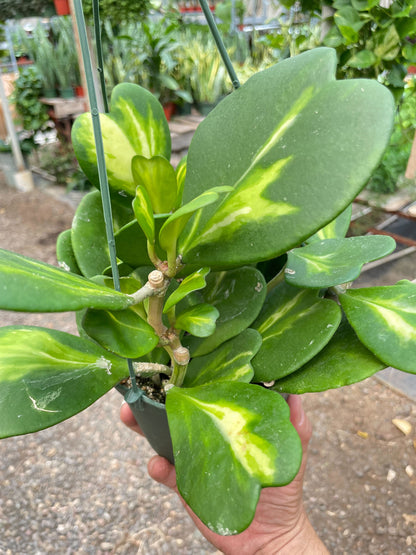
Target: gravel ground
[[82, 487]]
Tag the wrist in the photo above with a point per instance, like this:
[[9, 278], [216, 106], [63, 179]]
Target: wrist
[[299, 540]]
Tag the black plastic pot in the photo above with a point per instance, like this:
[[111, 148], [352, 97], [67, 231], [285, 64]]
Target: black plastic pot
[[152, 418]]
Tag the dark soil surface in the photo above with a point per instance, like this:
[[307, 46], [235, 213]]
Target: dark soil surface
[[82, 487]]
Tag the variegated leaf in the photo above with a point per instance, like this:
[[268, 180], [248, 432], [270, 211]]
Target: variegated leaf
[[295, 325], [180, 179], [343, 361], [337, 229], [230, 439], [32, 286], [157, 176], [238, 295], [384, 319], [229, 362], [136, 125], [131, 243], [309, 148], [198, 320], [334, 261], [88, 236], [191, 283], [47, 376]]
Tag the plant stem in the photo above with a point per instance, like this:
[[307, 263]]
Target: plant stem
[[180, 364], [278, 278], [151, 368]]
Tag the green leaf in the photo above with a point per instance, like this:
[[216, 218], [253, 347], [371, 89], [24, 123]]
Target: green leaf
[[295, 324], [47, 376], [131, 243], [158, 177], [343, 361], [388, 44], [363, 59], [89, 239], [175, 224], [198, 320], [335, 261], [229, 441], [65, 253], [313, 144], [409, 52], [180, 179], [229, 362], [337, 229], [136, 125], [142, 207], [384, 319], [349, 23], [123, 332], [191, 283], [333, 38], [32, 286], [238, 295]]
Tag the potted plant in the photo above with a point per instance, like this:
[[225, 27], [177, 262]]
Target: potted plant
[[234, 280]]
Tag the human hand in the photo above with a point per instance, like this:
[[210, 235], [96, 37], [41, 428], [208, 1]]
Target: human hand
[[280, 524]]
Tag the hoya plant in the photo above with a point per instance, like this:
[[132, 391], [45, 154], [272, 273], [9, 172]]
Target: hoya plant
[[231, 285]]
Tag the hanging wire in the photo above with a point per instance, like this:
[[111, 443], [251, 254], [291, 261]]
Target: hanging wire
[[98, 45], [135, 393], [220, 44]]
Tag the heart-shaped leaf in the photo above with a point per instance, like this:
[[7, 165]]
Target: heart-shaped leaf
[[191, 283], [65, 253], [142, 207], [89, 239], [334, 261], [343, 361], [158, 177], [136, 125], [174, 225], [229, 441], [32, 286], [198, 320], [384, 319], [337, 229], [123, 332], [47, 376], [271, 153], [229, 362], [295, 325], [238, 295]]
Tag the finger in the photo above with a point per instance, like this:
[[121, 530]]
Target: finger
[[127, 417], [162, 471], [299, 420]]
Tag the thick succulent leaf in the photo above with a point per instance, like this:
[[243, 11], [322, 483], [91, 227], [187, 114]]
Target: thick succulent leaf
[[142, 207], [337, 229], [32, 286], [191, 283], [89, 239], [65, 253], [229, 441], [295, 325], [198, 320], [47, 376], [343, 361], [131, 244], [175, 224], [238, 295], [229, 362], [158, 177], [384, 319], [136, 125], [180, 179], [335, 261], [311, 144], [123, 332]]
